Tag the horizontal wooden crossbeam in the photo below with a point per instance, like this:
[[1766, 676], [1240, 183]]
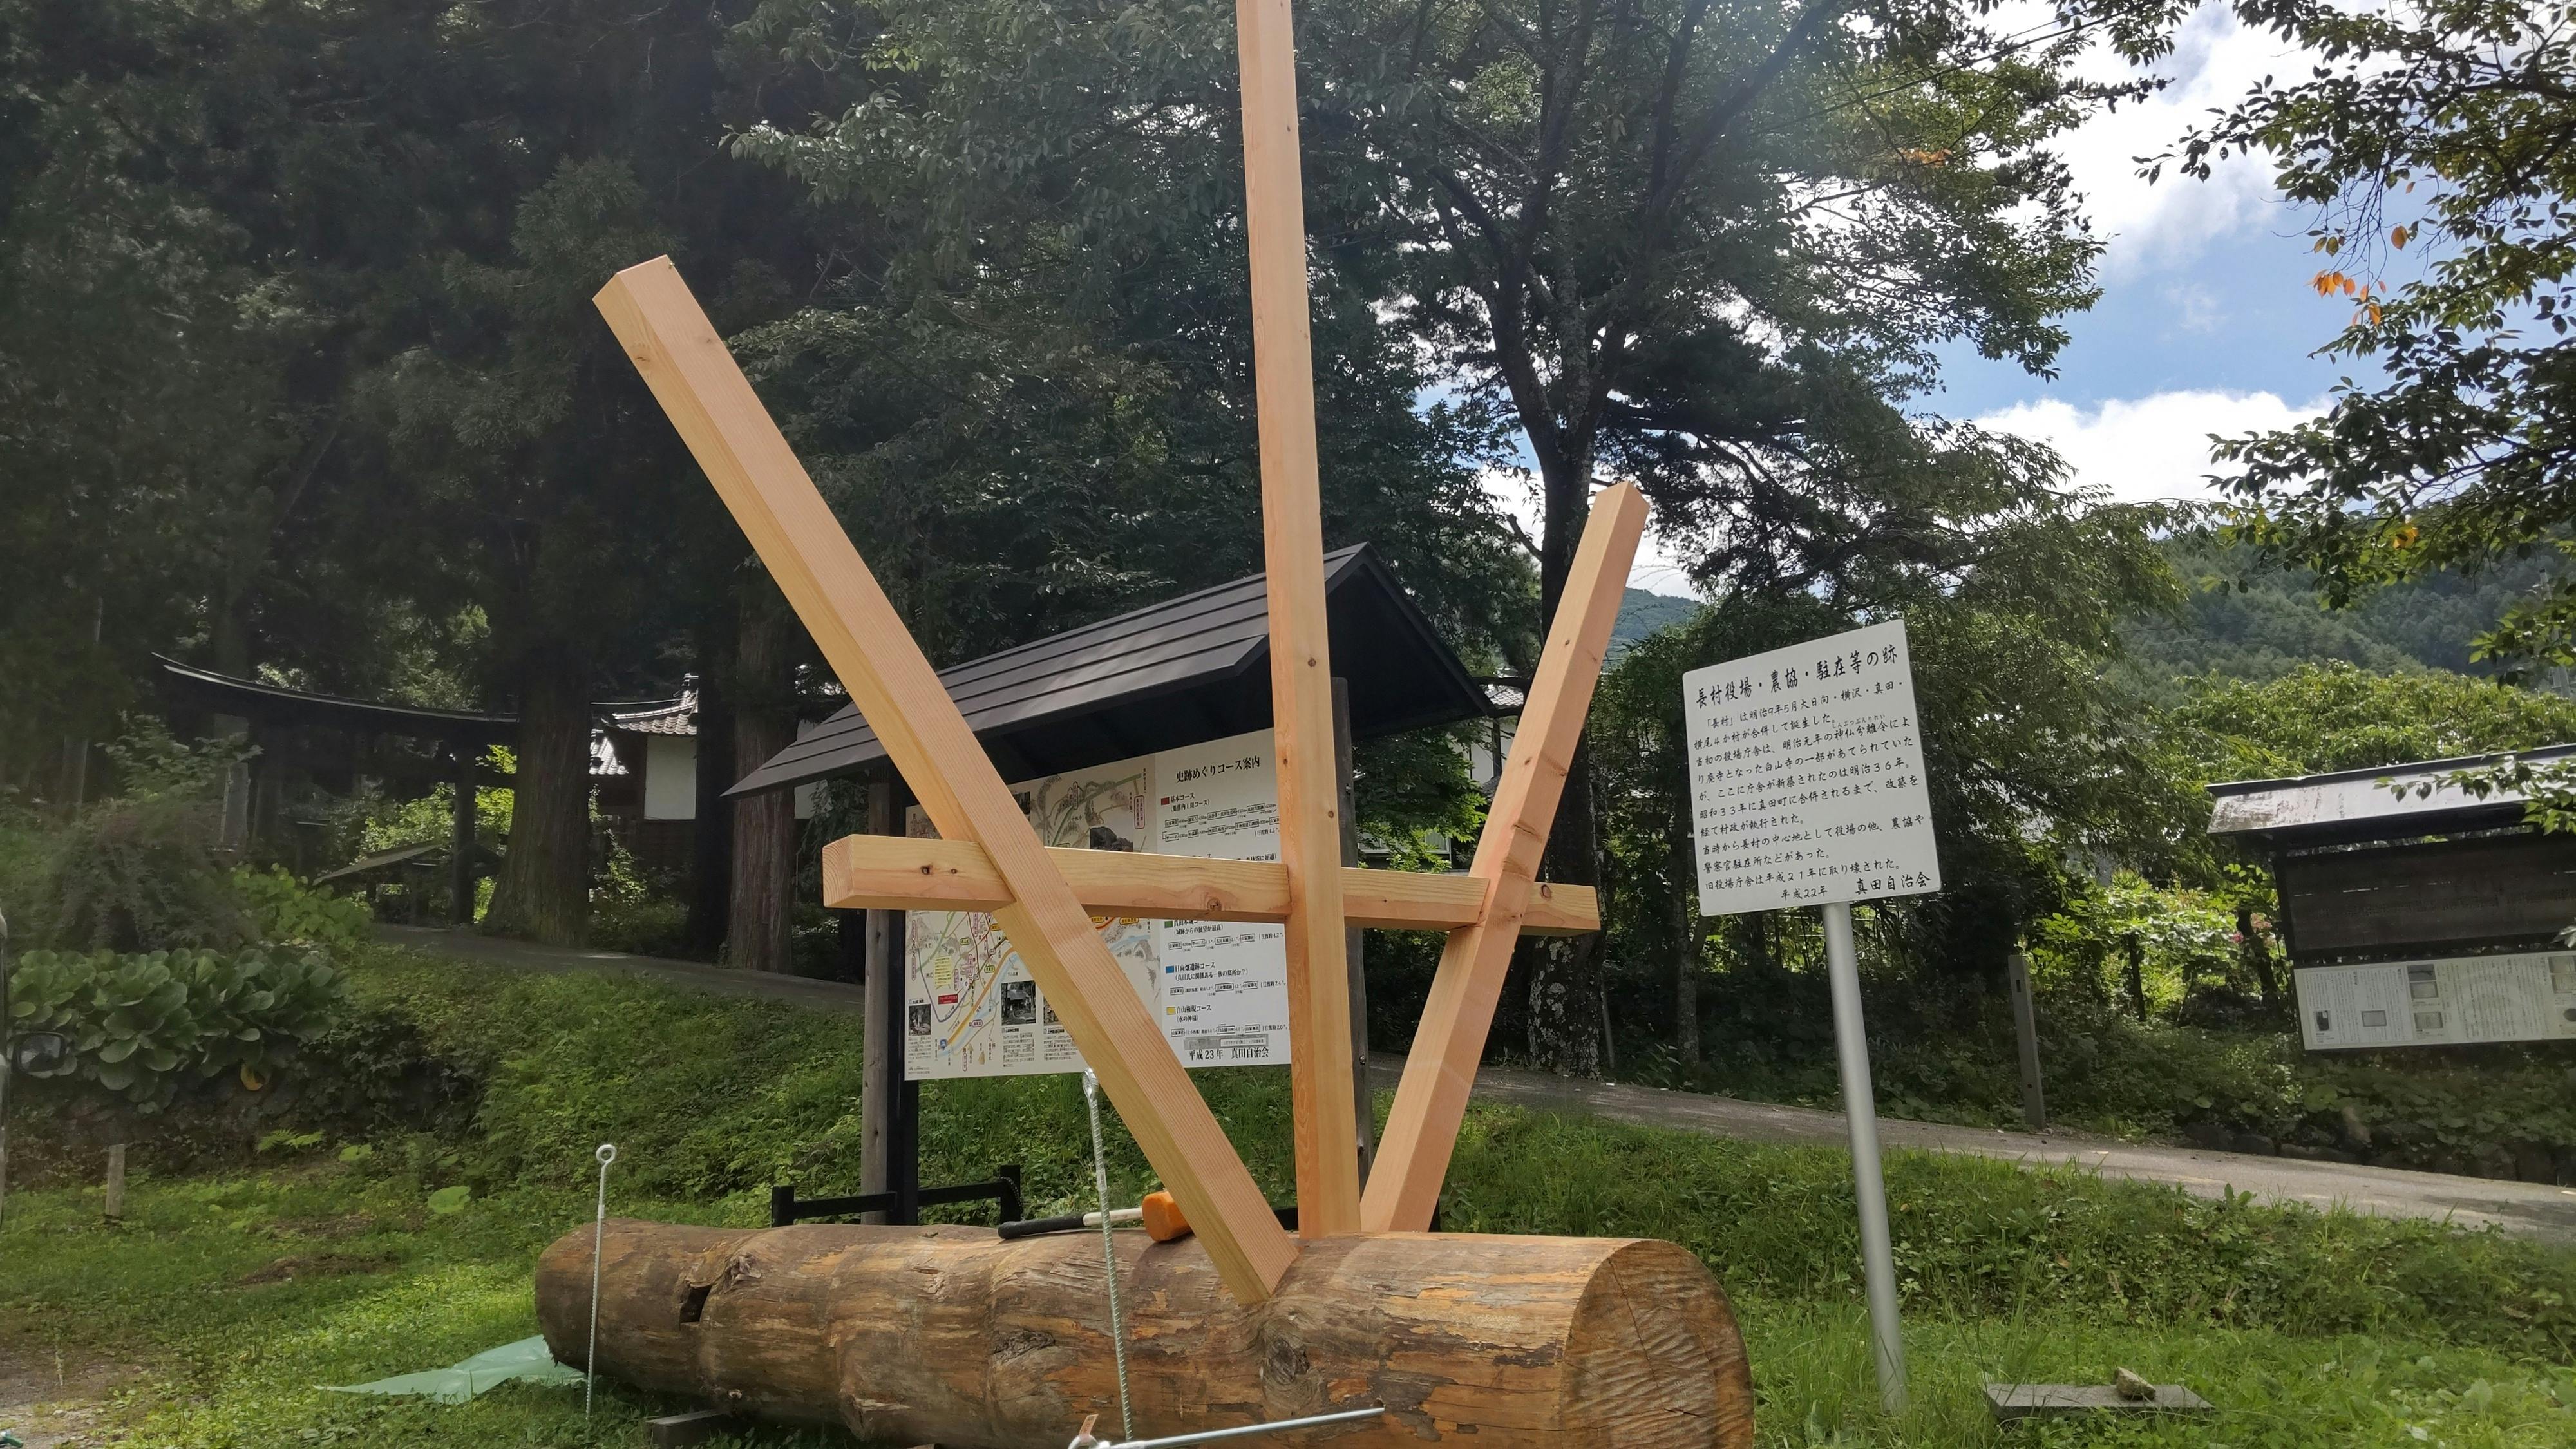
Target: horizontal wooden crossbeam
[[892, 873]]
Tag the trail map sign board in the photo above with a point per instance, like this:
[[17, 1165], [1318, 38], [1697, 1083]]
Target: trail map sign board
[[2525, 997], [1218, 988], [1807, 776]]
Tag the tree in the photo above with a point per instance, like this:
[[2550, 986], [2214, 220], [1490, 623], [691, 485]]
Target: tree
[[512, 157], [2034, 756], [1712, 247], [1031, 392], [2444, 129], [149, 430], [2331, 716]]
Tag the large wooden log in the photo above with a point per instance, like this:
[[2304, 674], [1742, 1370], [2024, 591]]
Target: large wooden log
[[953, 1336]]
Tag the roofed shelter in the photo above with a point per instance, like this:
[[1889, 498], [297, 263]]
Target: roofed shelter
[[333, 741], [2415, 913], [1175, 673], [336, 739]]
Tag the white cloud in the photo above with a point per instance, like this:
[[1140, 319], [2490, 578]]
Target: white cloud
[[2215, 60], [2154, 447]]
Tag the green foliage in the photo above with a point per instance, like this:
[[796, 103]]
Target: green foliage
[[143, 1027], [2332, 716], [2247, 617], [144, 874], [2187, 942], [1976, 1238], [712, 1097], [2433, 129], [644, 925], [242, 1290], [2032, 756], [285, 910]]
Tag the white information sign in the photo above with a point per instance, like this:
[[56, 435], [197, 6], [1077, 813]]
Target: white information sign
[[2529, 997], [1807, 776], [1220, 988]]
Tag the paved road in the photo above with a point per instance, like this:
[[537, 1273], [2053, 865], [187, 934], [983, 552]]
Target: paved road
[[2525, 1209]]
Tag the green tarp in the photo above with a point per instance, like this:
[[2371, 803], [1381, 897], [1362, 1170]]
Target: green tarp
[[528, 1360]]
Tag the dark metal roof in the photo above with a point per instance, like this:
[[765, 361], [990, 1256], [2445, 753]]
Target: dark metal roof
[[1189, 669], [2350, 806], [276, 704]]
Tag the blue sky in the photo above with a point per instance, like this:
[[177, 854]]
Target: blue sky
[[2207, 318]]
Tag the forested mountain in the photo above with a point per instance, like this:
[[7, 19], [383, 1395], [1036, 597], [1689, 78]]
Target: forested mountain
[[2244, 618], [1642, 613]]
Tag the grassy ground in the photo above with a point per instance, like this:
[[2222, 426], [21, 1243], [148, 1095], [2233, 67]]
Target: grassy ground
[[231, 1295]]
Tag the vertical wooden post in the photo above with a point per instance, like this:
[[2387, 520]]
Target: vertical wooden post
[[460, 839], [881, 1073], [2034, 1101], [2136, 952], [1319, 1007], [115, 1212], [1354, 940]]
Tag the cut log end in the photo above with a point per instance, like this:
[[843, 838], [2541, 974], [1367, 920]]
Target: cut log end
[[951, 1335]]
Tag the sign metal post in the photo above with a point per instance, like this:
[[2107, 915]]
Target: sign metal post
[[1860, 1111]]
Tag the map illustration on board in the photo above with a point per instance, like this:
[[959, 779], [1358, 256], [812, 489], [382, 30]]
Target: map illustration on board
[[971, 1008]]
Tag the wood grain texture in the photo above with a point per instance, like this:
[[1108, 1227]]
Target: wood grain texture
[[1431, 1099], [950, 1335], [1301, 670], [870, 872], [712, 405]]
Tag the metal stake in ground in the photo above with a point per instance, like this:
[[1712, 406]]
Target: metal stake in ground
[[1860, 1109], [1108, 1250], [606, 1154]]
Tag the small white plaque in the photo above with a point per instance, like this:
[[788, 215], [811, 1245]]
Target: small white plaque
[[1807, 776]]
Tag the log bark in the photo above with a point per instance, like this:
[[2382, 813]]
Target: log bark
[[950, 1335]]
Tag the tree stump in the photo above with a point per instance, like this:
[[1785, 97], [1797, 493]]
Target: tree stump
[[951, 1335]]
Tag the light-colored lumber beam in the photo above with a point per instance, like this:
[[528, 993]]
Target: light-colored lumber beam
[[1431, 1099], [712, 405], [892, 873], [1301, 670]]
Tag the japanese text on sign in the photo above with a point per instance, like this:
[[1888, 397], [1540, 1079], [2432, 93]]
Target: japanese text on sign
[[1806, 770]]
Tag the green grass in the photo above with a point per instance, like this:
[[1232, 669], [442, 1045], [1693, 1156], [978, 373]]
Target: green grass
[[2308, 1328]]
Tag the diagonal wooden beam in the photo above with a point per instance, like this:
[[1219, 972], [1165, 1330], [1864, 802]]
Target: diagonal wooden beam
[[711, 403], [1431, 1100], [892, 873], [1301, 670]]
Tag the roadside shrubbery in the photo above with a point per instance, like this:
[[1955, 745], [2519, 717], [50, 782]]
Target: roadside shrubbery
[[285, 909], [714, 1098], [144, 1028]]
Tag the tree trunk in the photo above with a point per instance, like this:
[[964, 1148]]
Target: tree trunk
[[1684, 905], [543, 893], [952, 1336], [2259, 956], [711, 833], [1563, 972], [2136, 972], [761, 937]]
